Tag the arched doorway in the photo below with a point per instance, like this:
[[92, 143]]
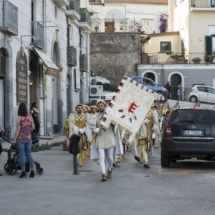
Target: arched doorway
[[150, 74], [3, 61], [69, 97], [175, 81]]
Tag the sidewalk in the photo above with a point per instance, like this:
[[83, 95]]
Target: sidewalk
[[43, 140]]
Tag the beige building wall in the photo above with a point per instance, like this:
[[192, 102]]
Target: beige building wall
[[199, 28], [153, 45]]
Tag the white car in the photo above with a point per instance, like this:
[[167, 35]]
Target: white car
[[202, 93]]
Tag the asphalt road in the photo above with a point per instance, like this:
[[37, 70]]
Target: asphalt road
[[184, 188]]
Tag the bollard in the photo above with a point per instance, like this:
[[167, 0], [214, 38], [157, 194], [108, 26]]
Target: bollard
[[9, 151], [75, 164]]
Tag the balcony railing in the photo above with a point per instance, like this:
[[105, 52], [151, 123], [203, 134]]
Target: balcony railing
[[73, 10], [74, 5], [38, 34], [96, 2], [71, 56], [202, 3], [8, 18], [85, 16], [177, 58], [83, 63]]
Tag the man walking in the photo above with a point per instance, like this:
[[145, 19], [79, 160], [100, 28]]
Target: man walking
[[79, 123], [105, 143]]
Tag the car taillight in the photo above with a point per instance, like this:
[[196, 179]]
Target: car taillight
[[191, 91], [167, 130]]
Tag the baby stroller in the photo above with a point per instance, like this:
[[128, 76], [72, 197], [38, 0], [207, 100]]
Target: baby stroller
[[13, 163]]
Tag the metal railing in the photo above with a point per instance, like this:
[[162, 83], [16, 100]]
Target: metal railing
[[202, 3], [38, 34], [74, 5], [85, 15], [8, 18], [175, 58], [71, 56]]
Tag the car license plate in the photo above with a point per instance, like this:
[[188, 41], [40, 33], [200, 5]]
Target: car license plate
[[193, 133]]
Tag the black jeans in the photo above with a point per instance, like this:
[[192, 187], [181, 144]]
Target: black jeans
[[37, 125]]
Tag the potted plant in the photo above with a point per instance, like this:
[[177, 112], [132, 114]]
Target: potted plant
[[208, 59], [196, 60], [66, 130]]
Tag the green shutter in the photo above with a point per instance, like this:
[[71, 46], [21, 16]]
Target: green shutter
[[208, 44]]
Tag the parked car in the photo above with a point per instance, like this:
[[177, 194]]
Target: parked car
[[149, 83], [189, 133], [202, 93]]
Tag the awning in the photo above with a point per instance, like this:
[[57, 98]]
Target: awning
[[52, 69]]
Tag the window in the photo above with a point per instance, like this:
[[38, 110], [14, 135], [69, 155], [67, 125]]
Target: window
[[212, 3], [68, 36], [202, 89], [165, 47], [174, 3], [147, 24], [210, 90], [139, 80]]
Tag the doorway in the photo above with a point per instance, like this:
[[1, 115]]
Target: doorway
[[175, 81], [55, 93], [109, 26], [3, 58], [150, 75]]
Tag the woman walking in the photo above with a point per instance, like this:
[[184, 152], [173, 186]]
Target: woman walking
[[35, 115], [24, 126]]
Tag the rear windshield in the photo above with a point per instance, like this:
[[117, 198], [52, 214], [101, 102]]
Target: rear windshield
[[193, 116]]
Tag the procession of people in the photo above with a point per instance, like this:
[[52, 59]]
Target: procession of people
[[107, 148]]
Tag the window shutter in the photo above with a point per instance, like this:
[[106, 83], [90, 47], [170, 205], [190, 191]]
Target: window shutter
[[208, 44]]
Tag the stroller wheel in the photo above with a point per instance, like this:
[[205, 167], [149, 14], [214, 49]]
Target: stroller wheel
[[5, 167], [11, 169], [40, 171]]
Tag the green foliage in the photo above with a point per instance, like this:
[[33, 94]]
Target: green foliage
[[113, 87], [196, 59], [209, 58], [66, 125]]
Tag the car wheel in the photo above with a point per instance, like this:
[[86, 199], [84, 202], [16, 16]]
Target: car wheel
[[165, 160], [193, 99]]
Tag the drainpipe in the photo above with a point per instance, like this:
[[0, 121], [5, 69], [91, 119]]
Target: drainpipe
[[45, 101]]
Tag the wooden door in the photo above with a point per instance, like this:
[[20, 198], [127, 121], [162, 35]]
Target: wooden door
[[175, 81], [109, 26]]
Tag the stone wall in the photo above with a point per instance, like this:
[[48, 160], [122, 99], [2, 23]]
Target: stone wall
[[112, 54]]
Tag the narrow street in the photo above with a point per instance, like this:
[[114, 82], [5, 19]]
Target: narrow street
[[184, 188]]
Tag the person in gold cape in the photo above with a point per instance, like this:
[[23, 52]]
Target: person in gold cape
[[148, 136], [79, 123]]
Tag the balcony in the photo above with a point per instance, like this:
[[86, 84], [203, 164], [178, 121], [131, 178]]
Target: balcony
[[71, 56], [177, 58], [73, 10], [8, 18], [96, 2], [202, 5], [38, 34], [61, 3], [84, 22], [83, 63]]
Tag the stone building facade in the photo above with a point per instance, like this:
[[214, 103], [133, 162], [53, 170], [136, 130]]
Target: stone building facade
[[44, 58], [113, 54]]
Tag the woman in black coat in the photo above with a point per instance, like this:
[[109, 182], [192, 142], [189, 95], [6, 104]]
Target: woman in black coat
[[35, 116]]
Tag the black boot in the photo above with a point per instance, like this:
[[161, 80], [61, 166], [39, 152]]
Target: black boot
[[23, 175], [31, 174]]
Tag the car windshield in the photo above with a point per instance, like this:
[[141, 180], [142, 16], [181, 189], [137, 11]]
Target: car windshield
[[193, 116]]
